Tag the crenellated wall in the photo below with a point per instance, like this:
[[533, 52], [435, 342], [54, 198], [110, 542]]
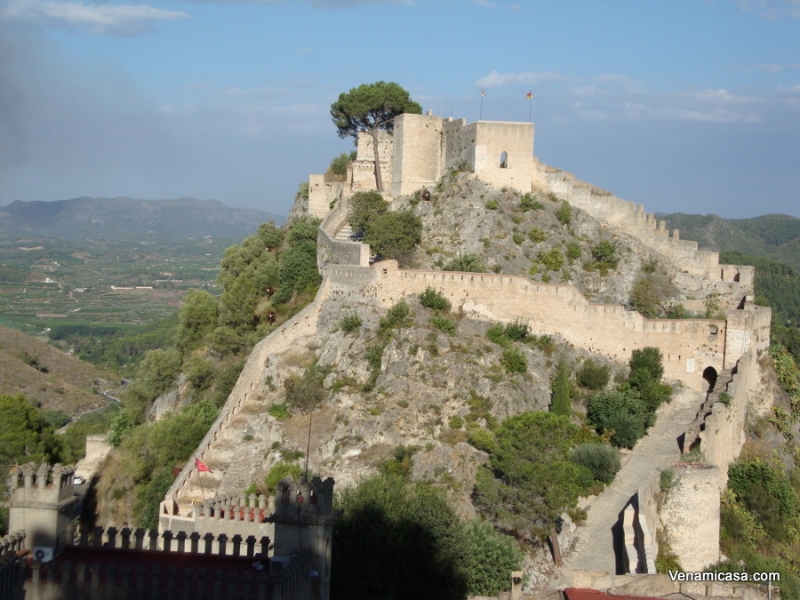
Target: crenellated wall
[[633, 220], [283, 339]]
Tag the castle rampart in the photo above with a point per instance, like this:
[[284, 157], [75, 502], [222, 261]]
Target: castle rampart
[[283, 339]]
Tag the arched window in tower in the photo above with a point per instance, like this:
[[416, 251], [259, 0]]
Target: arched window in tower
[[504, 160]]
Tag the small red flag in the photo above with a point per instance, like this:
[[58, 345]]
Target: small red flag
[[529, 95], [201, 466], [483, 94]]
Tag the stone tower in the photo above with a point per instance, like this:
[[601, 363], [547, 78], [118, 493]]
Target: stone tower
[[43, 503]]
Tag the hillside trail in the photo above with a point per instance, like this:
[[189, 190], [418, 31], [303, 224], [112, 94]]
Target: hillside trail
[[594, 550]]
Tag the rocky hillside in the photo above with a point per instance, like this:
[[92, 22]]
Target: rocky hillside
[[384, 385], [537, 236]]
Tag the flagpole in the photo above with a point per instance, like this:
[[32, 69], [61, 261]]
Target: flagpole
[[481, 117]]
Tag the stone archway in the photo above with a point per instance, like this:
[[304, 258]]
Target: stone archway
[[710, 375], [504, 160]]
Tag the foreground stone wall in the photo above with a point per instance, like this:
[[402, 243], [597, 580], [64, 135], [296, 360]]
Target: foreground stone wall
[[690, 515], [722, 435]]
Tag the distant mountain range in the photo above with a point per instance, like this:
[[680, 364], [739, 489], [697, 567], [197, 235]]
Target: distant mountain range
[[125, 217], [770, 236]]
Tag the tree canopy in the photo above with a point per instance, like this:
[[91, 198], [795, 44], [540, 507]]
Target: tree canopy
[[371, 107]]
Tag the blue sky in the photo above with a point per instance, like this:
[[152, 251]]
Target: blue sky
[[690, 106]]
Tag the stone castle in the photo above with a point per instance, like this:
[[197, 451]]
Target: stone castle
[[708, 356]]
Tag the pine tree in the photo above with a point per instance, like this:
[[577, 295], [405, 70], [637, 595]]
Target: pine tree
[[562, 391]]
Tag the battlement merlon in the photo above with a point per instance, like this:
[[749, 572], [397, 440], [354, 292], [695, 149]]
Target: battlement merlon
[[44, 485]]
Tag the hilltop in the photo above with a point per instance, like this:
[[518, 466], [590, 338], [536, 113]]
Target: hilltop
[[776, 237], [126, 217]]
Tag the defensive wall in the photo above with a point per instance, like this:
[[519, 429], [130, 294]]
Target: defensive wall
[[632, 219], [111, 564], [719, 427], [689, 346], [281, 340]]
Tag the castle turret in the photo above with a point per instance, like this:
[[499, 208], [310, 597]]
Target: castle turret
[[42, 503]]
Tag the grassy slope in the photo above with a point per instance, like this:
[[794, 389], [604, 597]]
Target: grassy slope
[[65, 386]]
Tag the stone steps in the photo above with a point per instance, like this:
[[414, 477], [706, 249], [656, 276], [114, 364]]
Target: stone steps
[[343, 235]]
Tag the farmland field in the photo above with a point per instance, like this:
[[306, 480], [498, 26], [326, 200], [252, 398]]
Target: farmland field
[[50, 281]]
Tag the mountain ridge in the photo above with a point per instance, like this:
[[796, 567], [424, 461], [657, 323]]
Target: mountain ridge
[[123, 216]]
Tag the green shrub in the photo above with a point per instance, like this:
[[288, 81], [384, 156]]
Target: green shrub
[[605, 254], [397, 316], [280, 471], [443, 324], [339, 164], [593, 376], [492, 205], [497, 334], [537, 235], [564, 213], [307, 392], [573, 251], [621, 412], [456, 422], [601, 459], [516, 331], [562, 391], [518, 238], [350, 323], [480, 438], [553, 259], [493, 556], [434, 300], [528, 202], [365, 207], [279, 411], [469, 263], [514, 361], [725, 398]]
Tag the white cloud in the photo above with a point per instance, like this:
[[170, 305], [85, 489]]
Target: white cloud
[[709, 116], [721, 95], [119, 19], [495, 79]]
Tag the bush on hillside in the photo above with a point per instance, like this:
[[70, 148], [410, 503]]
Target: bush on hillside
[[601, 459]]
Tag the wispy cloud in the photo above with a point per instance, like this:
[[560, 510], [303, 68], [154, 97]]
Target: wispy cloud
[[485, 3], [495, 79], [771, 9], [109, 19], [772, 67]]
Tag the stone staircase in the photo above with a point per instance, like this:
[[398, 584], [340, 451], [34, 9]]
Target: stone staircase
[[695, 429], [343, 235]]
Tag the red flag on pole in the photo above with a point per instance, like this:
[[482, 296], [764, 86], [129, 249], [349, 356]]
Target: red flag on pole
[[483, 94], [201, 466], [529, 96]]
